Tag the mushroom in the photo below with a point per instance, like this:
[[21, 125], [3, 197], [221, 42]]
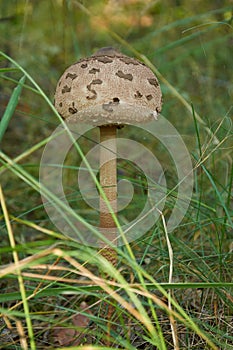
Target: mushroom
[[108, 90]]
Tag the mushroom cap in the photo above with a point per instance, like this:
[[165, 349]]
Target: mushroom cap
[[108, 88]]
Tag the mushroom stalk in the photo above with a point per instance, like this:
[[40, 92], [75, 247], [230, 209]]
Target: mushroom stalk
[[108, 182]]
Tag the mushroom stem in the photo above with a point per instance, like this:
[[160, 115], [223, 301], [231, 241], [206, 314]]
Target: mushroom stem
[[108, 182]]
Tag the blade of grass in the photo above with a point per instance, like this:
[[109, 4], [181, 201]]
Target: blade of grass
[[39, 228], [186, 21], [28, 87], [27, 152], [11, 107], [221, 201], [198, 184], [171, 263], [91, 347], [190, 37], [3, 70], [230, 186], [197, 130], [20, 278]]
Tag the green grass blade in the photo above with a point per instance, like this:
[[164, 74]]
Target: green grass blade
[[11, 107], [221, 200], [18, 272]]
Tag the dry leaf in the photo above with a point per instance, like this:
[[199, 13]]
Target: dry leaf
[[69, 336]]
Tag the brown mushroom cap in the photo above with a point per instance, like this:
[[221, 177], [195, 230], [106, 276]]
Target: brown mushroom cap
[[108, 88]]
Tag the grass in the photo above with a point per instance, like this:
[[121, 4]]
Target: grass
[[170, 290]]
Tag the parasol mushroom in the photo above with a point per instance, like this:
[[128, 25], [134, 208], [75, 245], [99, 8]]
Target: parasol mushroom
[[108, 90]]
